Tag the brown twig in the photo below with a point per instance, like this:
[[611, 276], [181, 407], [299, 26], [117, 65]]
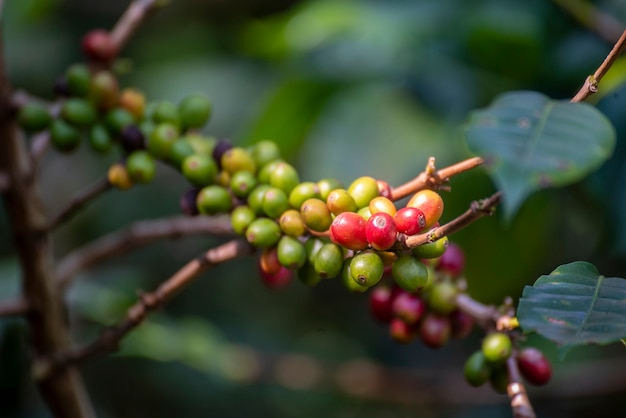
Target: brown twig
[[520, 403], [148, 302], [591, 83], [588, 15], [5, 182], [430, 178], [13, 307], [134, 15], [477, 210], [79, 201], [137, 235]]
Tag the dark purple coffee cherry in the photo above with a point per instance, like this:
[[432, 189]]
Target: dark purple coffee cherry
[[188, 203], [132, 138], [220, 148]]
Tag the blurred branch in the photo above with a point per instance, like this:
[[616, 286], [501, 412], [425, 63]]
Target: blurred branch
[[137, 235], [79, 201], [431, 178], [134, 15], [5, 182], [591, 83], [520, 403], [14, 307], [39, 145], [477, 210], [148, 302], [588, 15]]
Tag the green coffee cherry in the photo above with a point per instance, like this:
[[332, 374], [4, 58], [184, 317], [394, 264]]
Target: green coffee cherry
[[367, 268], [264, 152], [291, 252], [202, 144], [348, 281], [263, 232], [100, 139], [291, 223], [325, 186], [141, 166], [285, 177], [213, 199], [194, 111], [313, 245], [497, 347], [117, 119], [302, 192], [264, 173], [363, 190], [63, 136], [180, 150], [104, 90], [442, 297], [240, 219], [238, 159], [316, 215], [477, 369], [78, 112], [255, 198], [433, 249], [161, 140], [242, 183], [33, 117], [78, 78], [499, 378], [409, 273], [199, 170], [275, 202], [308, 275], [166, 112], [339, 200], [328, 261]]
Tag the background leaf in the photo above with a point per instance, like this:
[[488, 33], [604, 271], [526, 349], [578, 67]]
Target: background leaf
[[531, 142], [575, 305]]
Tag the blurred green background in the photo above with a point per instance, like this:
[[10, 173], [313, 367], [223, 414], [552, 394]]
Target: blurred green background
[[347, 88]]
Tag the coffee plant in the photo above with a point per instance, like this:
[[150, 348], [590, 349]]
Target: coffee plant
[[387, 243]]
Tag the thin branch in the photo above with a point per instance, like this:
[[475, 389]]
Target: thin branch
[[520, 403], [134, 15], [430, 178], [477, 210], [137, 235], [149, 302], [40, 143], [591, 83], [588, 15], [5, 182], [13, 307], [79, 201]]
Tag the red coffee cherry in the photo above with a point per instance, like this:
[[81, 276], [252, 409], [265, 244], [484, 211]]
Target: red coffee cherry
[[409, 307], [381, 231], [402, 332], [380, 302], [277, 280], [98, 46], [452, 261], [435, 330], [430, 203], [348, 229], [409, 220], [462, 324], [534, 366]]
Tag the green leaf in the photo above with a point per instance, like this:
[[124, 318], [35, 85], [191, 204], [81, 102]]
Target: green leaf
[[530, 142], [575, 305]]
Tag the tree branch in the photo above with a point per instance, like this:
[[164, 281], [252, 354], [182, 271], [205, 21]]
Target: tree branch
[[148, 302], [591, 83], [13, 307], [520, 403], [603, 24], [134, 15], [137, 235], [79, 201], [5, 182]]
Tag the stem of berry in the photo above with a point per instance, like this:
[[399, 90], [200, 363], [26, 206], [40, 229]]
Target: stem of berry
[[520, 403], [79, 201], [134, 15], [4, 182]]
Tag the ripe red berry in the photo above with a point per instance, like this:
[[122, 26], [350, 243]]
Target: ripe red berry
[[402, 332], [409, 307], [348, 230], [98, 46], [277, 280], [381, 231], [381, 299], [462, 324], [452, 261], [409, 220], [534, 366], [435, 330]]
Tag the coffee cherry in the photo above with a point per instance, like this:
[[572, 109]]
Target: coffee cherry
[[213, 200], [165, 112], [264, 173], [462, 324], [104, 90], [187, 202], [98, 46], [132, 138], [275, 202], [263, 232], [118, 177], [194, 111], [268, 260], [316, 215], [365, 213], [161, 140], [118, 119], [534, 366], [302, 192], [99, 138], [77, 80], [409, 273], [220, 149], [452, 261], [497, 347], [313, 245], [380, 231], [265, 152], [278, 280], [78, 112], [442, 298], [204, 145], [363, 190], [431, 249], [409, 220], [291, 223], [367, 268], [237, 159], [430, 203], [499, 378], [435, 330], [307, 275], [285, 177], [348, 282], [325, 186], [134, 102], [384, 189], [381, 302], [382, 204], [33, 117], [242, 183], [339, 200], [328, 261], [291, 252], [199, 170], [477, 369], [140, 166], [240, 219], [63, 136], [255, 198], [348, 230], [402, 332], [409, 307]]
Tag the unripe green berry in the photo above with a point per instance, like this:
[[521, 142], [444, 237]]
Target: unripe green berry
[[365, 213], [194, 111], [180, 150], [328, 261], [477, 369], [313, 245], [141, 166], [242, 183], [266, 170], [201, 144], [213, 199], [33, 117], [302, 192], [255, 198], [339, 200], [237, 159], [199, 170], [442, 297], [291, 252], [104, 90], [100, 139], [348, 281], [63, 136], [161, 140], [78, 112], [263, 232], [78, 78], [291, 223], [497, 347], [285, 177], [325, 186], [363, 190], [433, 249], [275, 202], [316, 215], [367, 268], [118, 119], [499, 378], [265, 152], [308, 275], [166, 112], [240, 219], [409, 273]]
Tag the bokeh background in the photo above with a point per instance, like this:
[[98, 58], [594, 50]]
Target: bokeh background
[[347, 88]]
